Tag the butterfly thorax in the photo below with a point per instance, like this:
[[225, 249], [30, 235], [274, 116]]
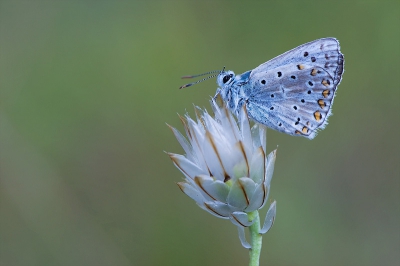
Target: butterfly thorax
[[231, 88]]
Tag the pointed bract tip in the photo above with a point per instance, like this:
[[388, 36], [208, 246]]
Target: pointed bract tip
[[219, 101], [172, 156], [181, 186]]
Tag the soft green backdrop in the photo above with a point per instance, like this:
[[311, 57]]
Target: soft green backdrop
[[86, 90]]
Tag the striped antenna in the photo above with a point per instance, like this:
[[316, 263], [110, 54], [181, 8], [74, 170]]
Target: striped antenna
[[194, 76]]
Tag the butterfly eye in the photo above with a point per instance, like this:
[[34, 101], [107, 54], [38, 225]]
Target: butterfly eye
[[227, 78]]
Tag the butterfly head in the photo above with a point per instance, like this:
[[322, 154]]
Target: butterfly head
[[225, 78]]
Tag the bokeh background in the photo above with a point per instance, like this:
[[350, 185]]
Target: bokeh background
[[86, 90]]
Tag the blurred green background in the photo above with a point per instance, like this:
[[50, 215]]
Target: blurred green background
[[86, 90]]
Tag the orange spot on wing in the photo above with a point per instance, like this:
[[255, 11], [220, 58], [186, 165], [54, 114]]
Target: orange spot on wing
[[313, 72], [326, 83], [317, 115], [321, 103]]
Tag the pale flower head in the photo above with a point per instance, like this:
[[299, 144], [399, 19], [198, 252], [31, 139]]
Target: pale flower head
[[227, 172]]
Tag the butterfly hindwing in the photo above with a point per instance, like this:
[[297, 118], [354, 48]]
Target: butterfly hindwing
[[296, 102]]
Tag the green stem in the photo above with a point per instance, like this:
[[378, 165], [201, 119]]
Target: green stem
[[255, 239]]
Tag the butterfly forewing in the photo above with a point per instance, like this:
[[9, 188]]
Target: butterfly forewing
[[324, 53]]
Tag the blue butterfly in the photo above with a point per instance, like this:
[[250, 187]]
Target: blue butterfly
[[292, 93]]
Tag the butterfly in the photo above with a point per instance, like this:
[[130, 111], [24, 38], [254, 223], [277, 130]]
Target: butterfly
[[292, 93]]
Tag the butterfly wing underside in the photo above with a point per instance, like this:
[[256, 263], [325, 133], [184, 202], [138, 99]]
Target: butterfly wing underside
[[294, 92]]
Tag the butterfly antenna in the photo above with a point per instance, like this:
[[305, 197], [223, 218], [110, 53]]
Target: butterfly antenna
[[193, 76], [193, 83]]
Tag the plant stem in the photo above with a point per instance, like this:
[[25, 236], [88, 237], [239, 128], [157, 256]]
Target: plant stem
[[255, 239]]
